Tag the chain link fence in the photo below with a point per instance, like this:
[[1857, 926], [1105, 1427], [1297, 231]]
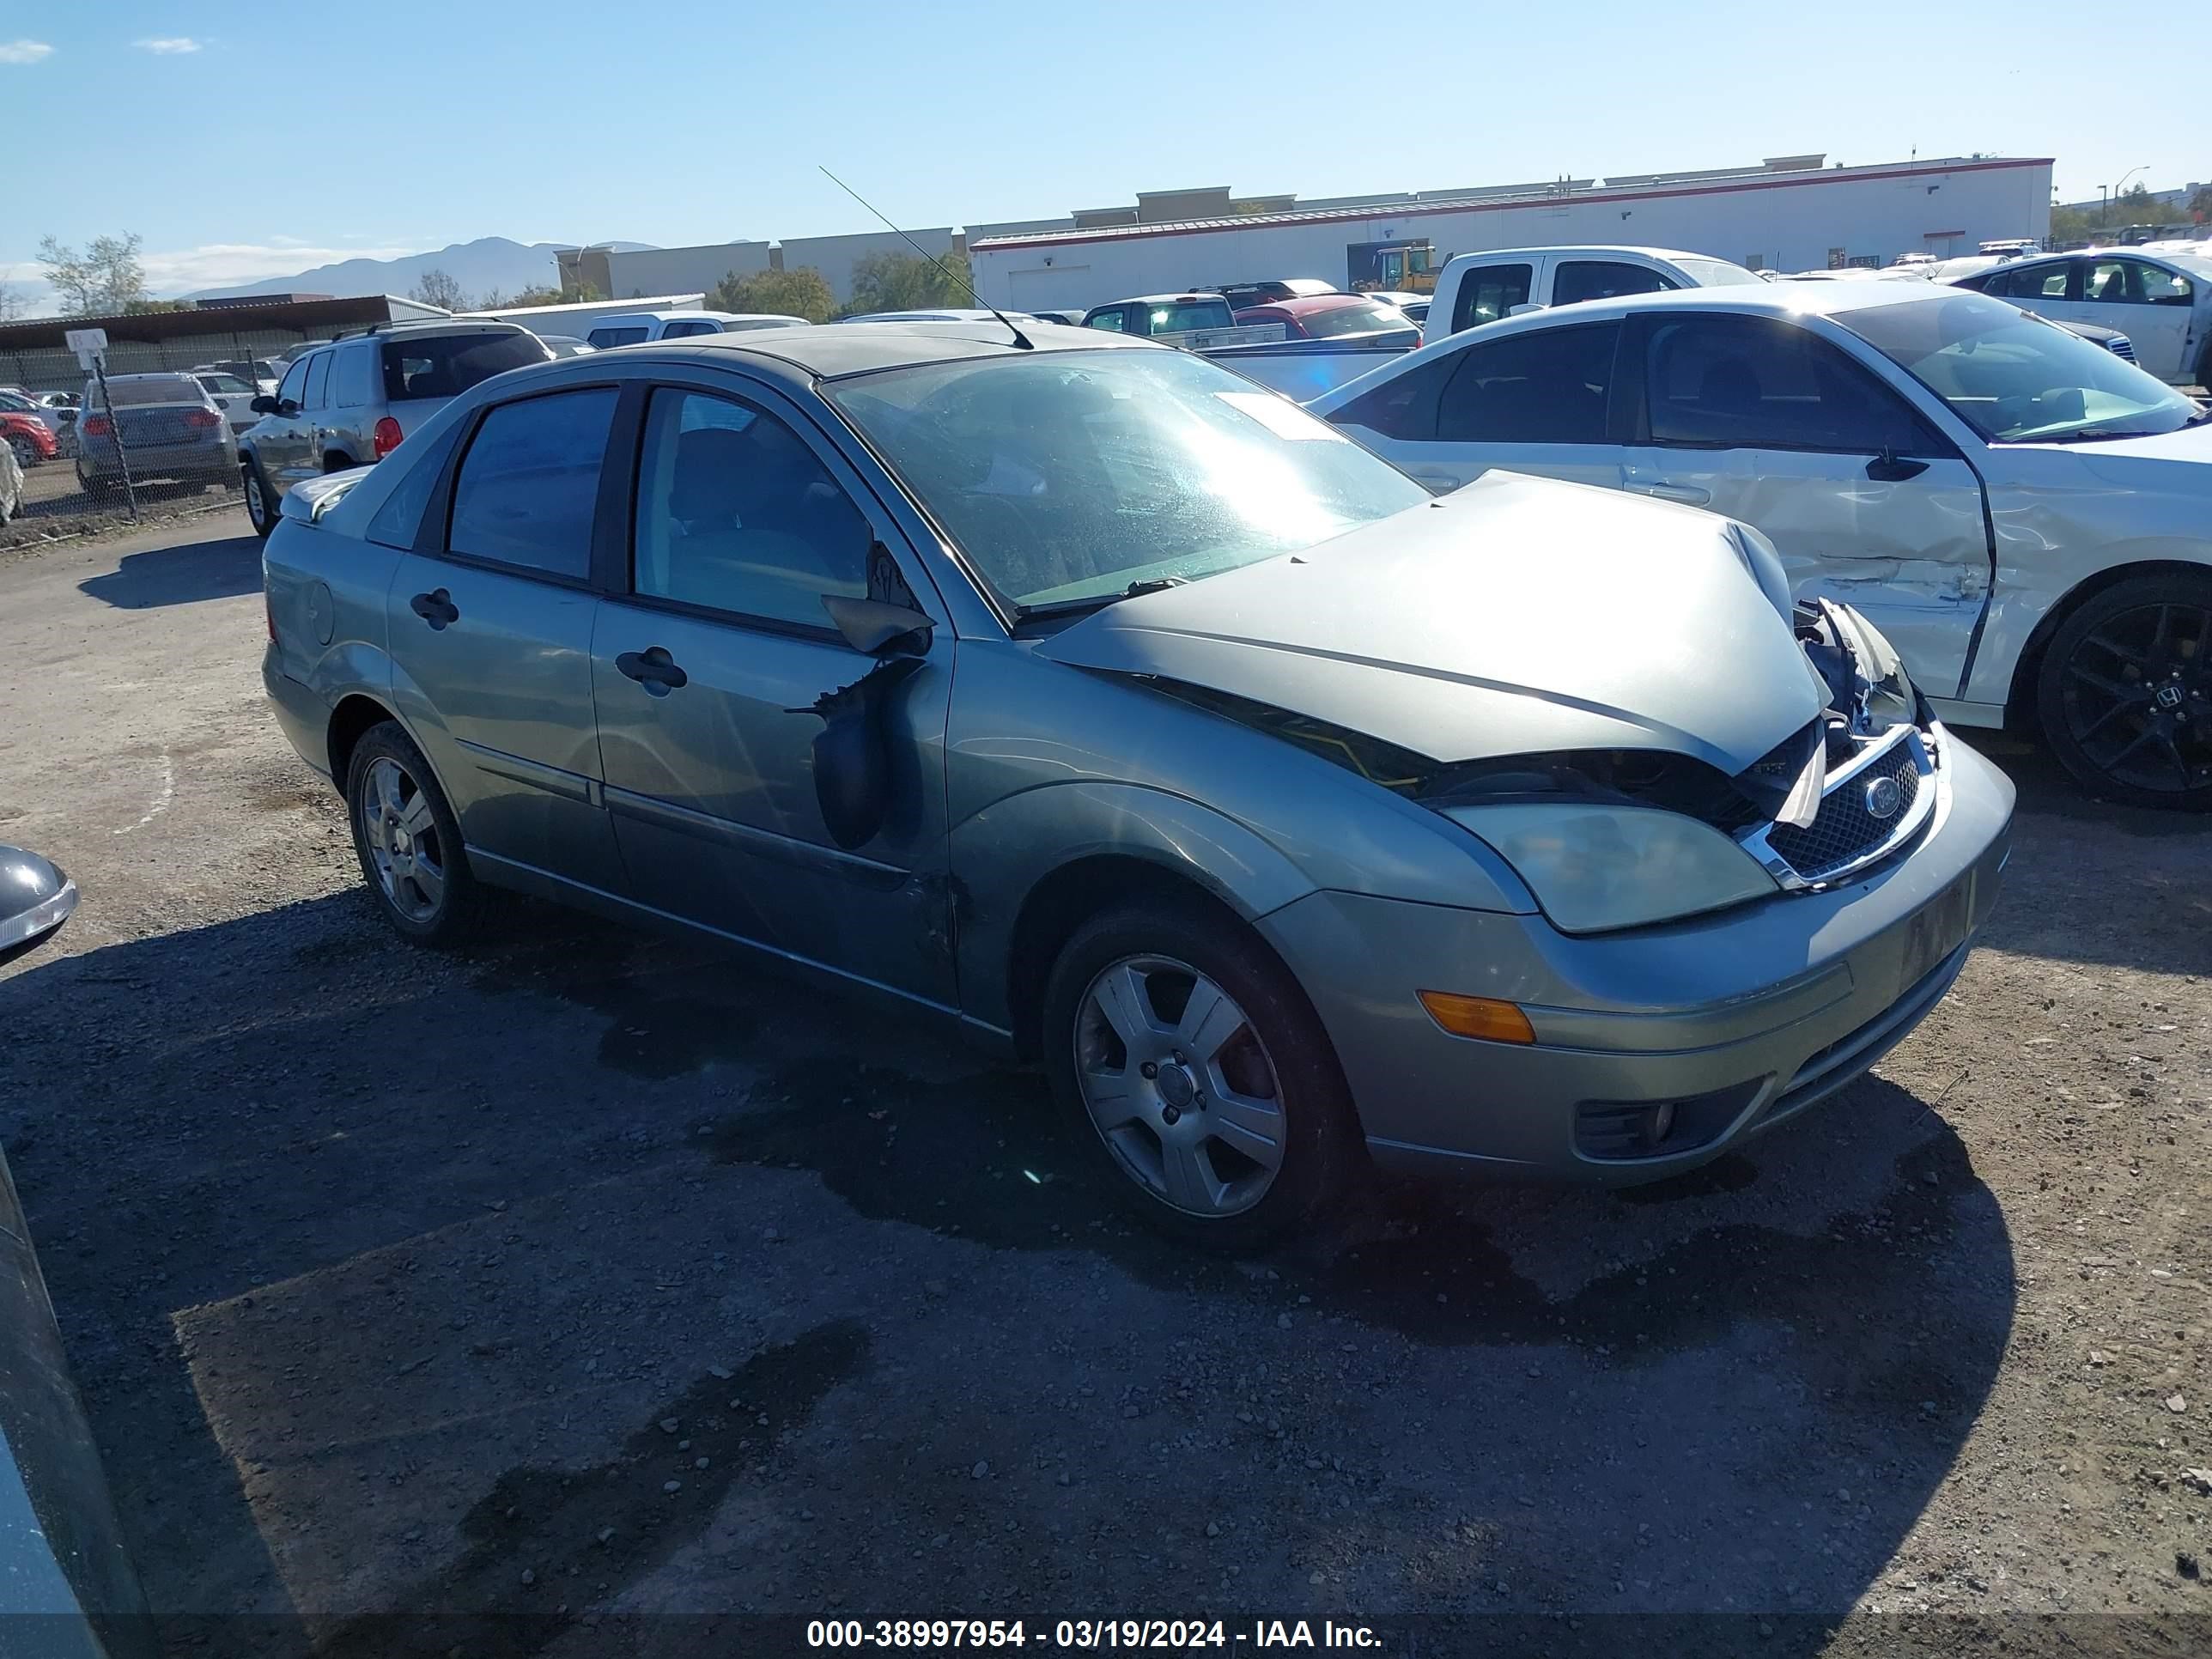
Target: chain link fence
[[169, 444]]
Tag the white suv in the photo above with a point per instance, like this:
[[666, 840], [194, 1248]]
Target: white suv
[[637, 327]]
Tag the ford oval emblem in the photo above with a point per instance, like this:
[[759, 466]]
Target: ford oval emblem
[[1883, 799]]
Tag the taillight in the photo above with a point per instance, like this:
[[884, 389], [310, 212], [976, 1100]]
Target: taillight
[[387, 436], [201, 419], [95, 426]]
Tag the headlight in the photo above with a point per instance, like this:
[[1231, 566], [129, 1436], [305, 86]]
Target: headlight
[[1597, 867]]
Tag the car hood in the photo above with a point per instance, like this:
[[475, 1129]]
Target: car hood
[[1517, 616]]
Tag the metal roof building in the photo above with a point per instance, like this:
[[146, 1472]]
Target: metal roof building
[[1788, 213]]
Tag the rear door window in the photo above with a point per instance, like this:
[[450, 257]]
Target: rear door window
[[1489, 292], [529, 486], [356, 377], [1603, 279], [446, 365], [1733, 382], [1546, 386]]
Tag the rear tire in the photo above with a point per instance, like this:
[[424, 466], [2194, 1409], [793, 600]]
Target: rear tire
[[260, 504], [408, 840], [2125, 695], [1243, 1127], [26, 452]]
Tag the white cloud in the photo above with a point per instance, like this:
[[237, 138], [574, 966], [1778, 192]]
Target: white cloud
[[226, 265], [24, 52], [168, 43]]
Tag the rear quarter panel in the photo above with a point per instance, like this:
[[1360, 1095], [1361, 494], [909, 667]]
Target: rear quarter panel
[[326, 602]]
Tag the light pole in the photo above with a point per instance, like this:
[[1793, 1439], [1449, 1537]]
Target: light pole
[[2125, 177]]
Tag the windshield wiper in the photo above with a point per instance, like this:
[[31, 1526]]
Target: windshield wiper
[[1099, 601]]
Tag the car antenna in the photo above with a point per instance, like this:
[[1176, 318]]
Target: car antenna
[[1020, 338]]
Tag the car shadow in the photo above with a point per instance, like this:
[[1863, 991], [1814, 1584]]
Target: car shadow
[[366, 1258], [183, 575]]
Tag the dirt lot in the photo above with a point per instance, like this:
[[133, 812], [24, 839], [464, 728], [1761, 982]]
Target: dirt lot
[[616, 1297]]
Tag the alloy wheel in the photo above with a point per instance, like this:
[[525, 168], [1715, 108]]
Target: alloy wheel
[[256, 510], [2137, 693], [1180, 1086], [403, 842]]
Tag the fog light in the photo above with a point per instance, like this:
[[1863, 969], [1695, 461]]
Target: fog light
[[1660, 1123], [1478, 1016]]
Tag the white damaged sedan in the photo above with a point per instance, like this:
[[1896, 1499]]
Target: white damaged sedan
[[2025, 515]]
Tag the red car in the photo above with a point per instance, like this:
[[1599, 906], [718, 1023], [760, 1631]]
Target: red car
[[1335, 317], [27, 436]]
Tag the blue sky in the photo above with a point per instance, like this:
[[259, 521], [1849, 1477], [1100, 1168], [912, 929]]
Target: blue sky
[[243, 140]]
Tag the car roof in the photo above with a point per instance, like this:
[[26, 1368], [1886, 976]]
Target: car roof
[[1182, 297], [1611, 248], [830, 350]]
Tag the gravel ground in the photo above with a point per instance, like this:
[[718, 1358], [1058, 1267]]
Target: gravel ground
[[610, 1296]]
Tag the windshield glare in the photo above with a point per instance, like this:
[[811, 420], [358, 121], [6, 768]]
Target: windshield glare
[[1338, 320], [1066, 476], [2015, 379]]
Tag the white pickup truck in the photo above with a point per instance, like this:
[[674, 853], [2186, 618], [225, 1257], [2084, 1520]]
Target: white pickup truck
[[1474, 289]]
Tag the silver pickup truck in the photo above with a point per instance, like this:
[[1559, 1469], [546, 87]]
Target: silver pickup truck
[[1198, 322]]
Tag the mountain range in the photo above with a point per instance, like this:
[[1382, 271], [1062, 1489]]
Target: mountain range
[[489, 264]]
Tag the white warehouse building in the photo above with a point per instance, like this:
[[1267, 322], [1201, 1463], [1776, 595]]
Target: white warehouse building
[[1789, 213]]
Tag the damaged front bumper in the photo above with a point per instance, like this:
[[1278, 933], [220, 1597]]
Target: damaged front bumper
[[1656, 1049]]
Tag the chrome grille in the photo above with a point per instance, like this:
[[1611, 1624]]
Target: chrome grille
[[1899, 772], [1846, 826]]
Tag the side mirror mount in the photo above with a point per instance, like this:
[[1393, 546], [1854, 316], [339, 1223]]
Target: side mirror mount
[[876, 629], [264, 405]]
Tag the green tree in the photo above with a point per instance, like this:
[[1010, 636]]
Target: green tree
[[906, 281], [800, 293], [2200, 206], [105, 280], [438, 286]]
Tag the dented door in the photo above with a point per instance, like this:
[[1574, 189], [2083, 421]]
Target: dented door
[[1913, 554], [1758, 418]]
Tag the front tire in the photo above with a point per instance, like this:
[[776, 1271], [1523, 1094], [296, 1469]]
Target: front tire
[[26, 452], [2124, 695], [1186, 1052], [408, 841]]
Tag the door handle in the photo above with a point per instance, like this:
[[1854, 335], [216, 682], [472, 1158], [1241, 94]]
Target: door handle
[[1888, 469], [654, 670], [436, 607], [1688, 495]]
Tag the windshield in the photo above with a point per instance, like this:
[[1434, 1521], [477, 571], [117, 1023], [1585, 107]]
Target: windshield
[[1173, 317], [1353, 319], [2013, 378], [128, 392], [1716, 273], [1065, 477]]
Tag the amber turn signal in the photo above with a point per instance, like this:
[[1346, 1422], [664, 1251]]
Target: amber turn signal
[[1478, 1016]]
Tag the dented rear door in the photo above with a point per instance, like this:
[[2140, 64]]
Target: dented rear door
[[1865, 501]]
